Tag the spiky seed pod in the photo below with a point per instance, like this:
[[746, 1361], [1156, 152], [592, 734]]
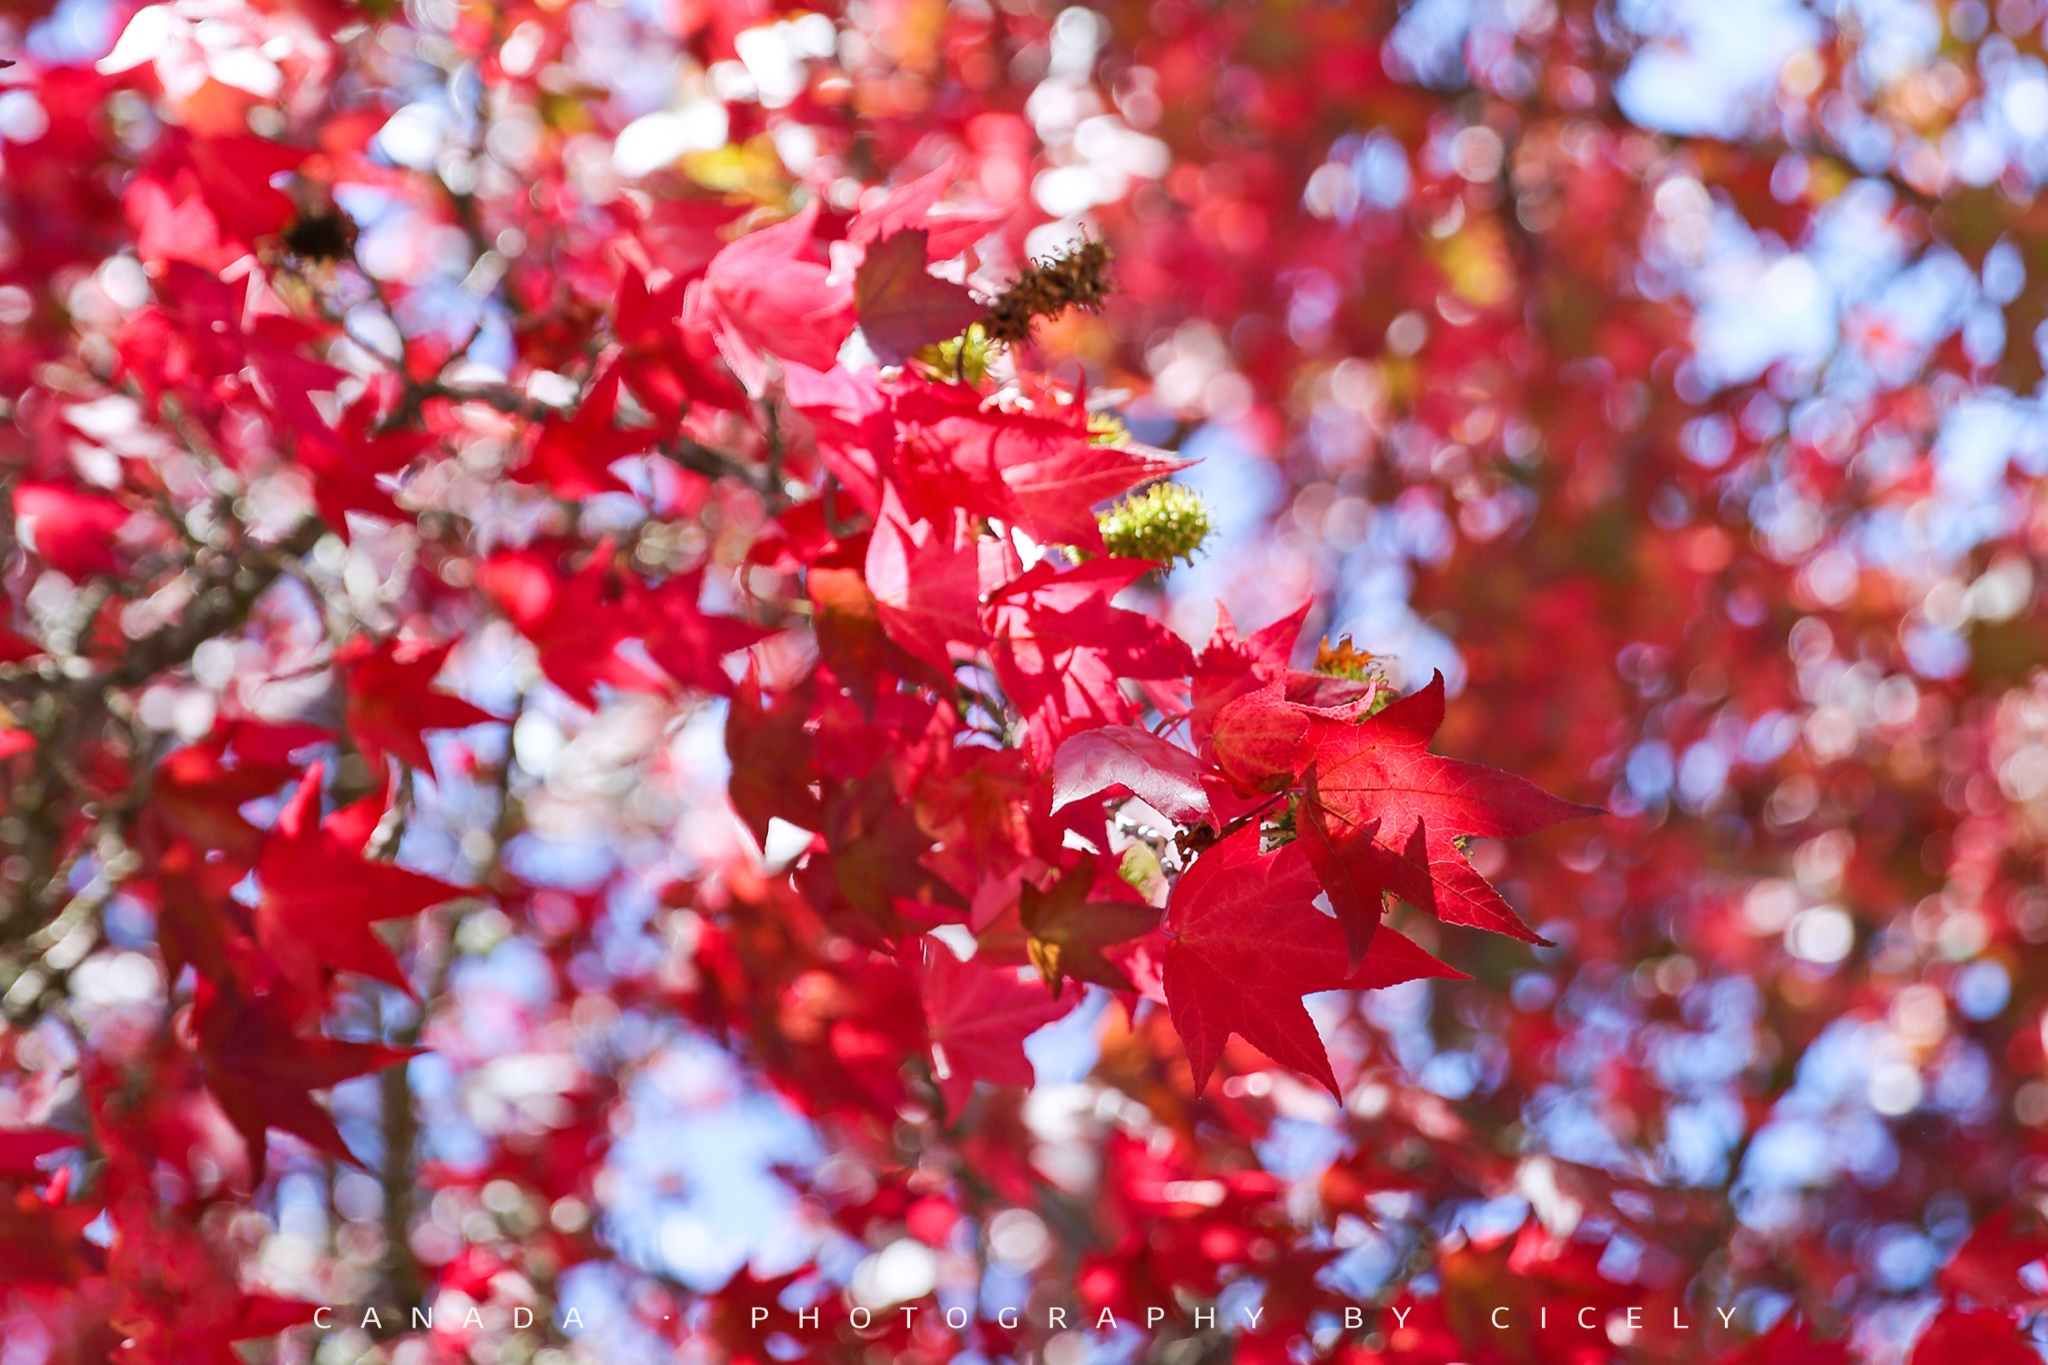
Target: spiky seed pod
[[1165, 523], [1107, 429], [1076, 278], [321, 234], [1346, 660]]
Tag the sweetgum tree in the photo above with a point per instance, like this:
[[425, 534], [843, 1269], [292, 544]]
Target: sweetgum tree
[[588, 579]]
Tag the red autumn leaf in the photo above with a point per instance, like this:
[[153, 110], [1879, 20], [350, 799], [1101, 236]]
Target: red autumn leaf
[[946, 452], [42, 1244], [196, 331], [392, 700], [263, 1071], [207, 200], [72, 531], [1230, 666], [901, 305], [574, 455], [1973, 1336], [265, 1315], [1357, 874], [201, 844], [667, 367], [1256, 739], [772, 753], [743, 1319], [200, 788], [577, 621], [847, 621], [1059, 485], [771, 295], [1060, 647], [320, 895], [15, 647], [1162, 775], [1087, 909], [915, 206], [1380, 769], [173, 222], [346, 471], [1245, 943], [926, 582], [1040, 472], [978, 1017], [689, 643], [235, 172], [1987, 1266], [21, 1147], [287, 380]]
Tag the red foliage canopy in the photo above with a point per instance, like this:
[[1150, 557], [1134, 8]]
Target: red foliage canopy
[[587, 575]]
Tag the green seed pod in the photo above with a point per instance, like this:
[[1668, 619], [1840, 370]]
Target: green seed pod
[[1165, 523], [964, 358], [1107, 429]]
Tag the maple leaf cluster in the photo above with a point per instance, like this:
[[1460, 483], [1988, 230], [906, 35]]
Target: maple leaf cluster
[[683, 492]]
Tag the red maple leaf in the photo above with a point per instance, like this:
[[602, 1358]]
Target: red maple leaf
[[287, 379], [234, 172], [1245, 943], [688, 642], [1356, 872], [41, 1242], [1040, 472], [901, 305], [20, 1148], [574, 455], [915, 205], [263, 1070], [392, 700], [72, 531], [1087, 909], [769, 295], [1059, 482], [1230, 666], [1973, 1336], [346, 472], [200, 845], [978, 1017], [576, 621], [1987, 1267], [1163, 775], [772, 752], [198, 790], [926, 582], [320, 895], [1060, 647], [658, 359], [1379, 771], [743, 1334]]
